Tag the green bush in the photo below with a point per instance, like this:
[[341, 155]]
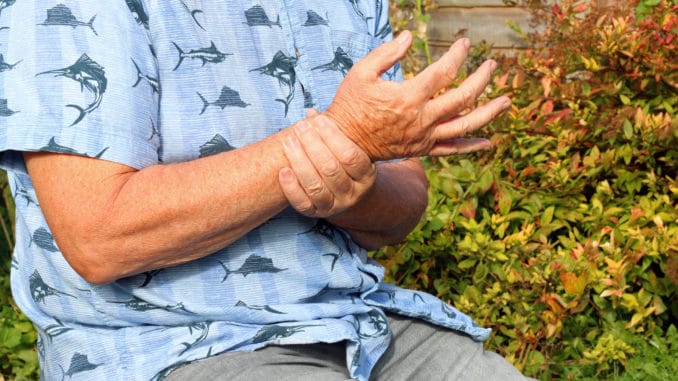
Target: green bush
[[18, 360], [564, 239]]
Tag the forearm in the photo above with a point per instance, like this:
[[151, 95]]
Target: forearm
[[392, 207], [111, 221]]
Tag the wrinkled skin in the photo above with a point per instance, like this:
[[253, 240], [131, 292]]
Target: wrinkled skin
[[331, 154], [390, 120]]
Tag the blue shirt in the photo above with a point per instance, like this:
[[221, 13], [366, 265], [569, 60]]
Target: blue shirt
[[148, 82]]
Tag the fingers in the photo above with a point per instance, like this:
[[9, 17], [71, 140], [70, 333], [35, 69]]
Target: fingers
[[314, 166], [295, 194], [441, 73], [385, 56], [460, 146], [457, 100], [464, 124], [353, 160], [328, 172]]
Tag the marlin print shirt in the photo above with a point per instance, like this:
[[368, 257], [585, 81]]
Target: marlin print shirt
[[147, 82]]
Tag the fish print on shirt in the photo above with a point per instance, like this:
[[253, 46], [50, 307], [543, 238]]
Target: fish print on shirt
[[5, 4], [228, 97], [277, 331], [62, 15], [41, 290], [327, 291], [282, 67], [44, 240], [4, 66], [148, 277], [138, 12], [52, 146], [254, 264], [341, 63], [136, 304], [216, 145], [259, 308], [21, 192], [54, 330], [203, 328], [154, 131], [447, 310], [376, 323], [210, 54], [308, 99], [314, 19], [382, 31], [256, 16], [152, 82], [357, 10], [193, 13], [90, 75], [79, 364], [4, 108]]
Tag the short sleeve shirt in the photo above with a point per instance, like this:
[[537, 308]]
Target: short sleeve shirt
[[152, 82]]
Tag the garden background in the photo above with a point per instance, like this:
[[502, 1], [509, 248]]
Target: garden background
[[563, 238]]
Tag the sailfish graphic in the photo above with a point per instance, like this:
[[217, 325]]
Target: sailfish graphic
[[41, 290], [79, 363], [341, 62], [62, 15], [256, 16], [90, 75], [228, 97], [282, 68], [313, 19]]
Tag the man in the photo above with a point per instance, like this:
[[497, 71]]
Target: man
[[176, 203]]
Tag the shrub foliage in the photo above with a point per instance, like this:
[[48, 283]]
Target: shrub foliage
[[564, 239]]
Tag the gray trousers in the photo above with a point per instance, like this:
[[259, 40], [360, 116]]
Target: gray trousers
[[418, 351]]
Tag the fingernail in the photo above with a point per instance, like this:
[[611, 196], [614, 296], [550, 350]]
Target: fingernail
[[466, 42], [402, 37], [493, 65]]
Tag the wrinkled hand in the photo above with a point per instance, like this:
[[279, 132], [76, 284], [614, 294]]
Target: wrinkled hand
[[391, 120], [328, 172]]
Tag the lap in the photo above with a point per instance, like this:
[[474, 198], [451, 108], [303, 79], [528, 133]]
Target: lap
[[418, 351]]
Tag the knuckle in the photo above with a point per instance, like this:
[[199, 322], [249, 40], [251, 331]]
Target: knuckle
[[315, 189], [465, 126], [351, 157], [305, 207], [466, 96], [330, 169]]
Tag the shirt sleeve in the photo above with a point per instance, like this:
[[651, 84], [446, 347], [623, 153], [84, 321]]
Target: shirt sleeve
[[77, 79]]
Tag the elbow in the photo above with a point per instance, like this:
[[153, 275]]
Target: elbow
[[90, 258], [91, 266]]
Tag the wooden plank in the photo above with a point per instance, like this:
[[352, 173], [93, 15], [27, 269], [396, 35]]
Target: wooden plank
[[470, 3], [487, 24]]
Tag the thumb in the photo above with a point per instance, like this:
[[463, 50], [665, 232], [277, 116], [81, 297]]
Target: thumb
[[386, 55]]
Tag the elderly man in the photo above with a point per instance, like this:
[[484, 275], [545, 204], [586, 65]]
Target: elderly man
[[182, 208]]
